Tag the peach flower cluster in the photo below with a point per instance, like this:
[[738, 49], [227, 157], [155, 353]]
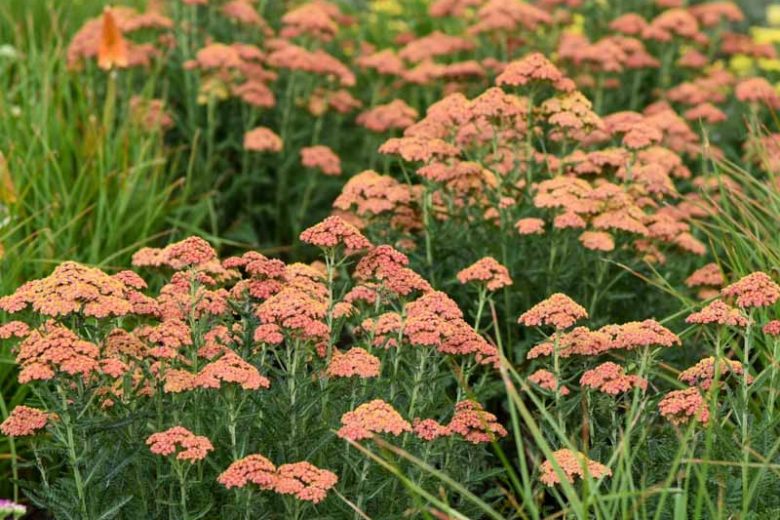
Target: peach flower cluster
[[488, 272], [681, 406], [75, 288], [321, 158], [719, 313], [262, 139], [754, 290], [702, 374], [557, 311], [356, 362], [611, 378], [371, 418], [23, 421], [573, 464], [333, 232], [300, 479], [179, 440]]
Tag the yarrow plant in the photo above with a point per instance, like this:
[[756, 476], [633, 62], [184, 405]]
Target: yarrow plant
[[234, 363], [468, 199]]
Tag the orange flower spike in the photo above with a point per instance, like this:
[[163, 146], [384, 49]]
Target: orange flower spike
[[112, 50]]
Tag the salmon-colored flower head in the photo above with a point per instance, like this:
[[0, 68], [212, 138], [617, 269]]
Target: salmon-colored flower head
[[637, 334], [702, 374], [243, 12], [179, 440], [720, 313], [580, 341], [629, 23], [487, 271], [557, 311], [548, 381], [673, 23], [23, 421], [370, 195], [312, 19], [530, 226], [396, 115], [293, 311], [373, 417], [612, 379], [706, 112], [710, 275], [176, 381], [772, 328], [286, 55], [384, 62], [430, 429], [641, 135], [167, 337], [509, 16], [531, 69], [321, 158], [573, 464], [418, 148], [356, 362], [757, 90], [680, 406], [434, 45], [230, 368], [305, 481], [55, 348], [333, 232], [73, 288], [262, 139], [14, 329], [476, 425], [754, 290], [712, 13], [435, 320], [597, 241], [253, 469], [192, 251]]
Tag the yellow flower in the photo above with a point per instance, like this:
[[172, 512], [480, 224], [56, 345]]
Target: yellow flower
[[212, 88], [398, 26], [391, 7], [741, 64], [765, 34], [773, 15], [769, 65], [577, 25]]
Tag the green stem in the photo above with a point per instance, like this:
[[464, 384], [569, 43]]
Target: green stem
[[72, 458]]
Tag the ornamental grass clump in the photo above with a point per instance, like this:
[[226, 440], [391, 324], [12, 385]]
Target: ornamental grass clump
[[198, 385]]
